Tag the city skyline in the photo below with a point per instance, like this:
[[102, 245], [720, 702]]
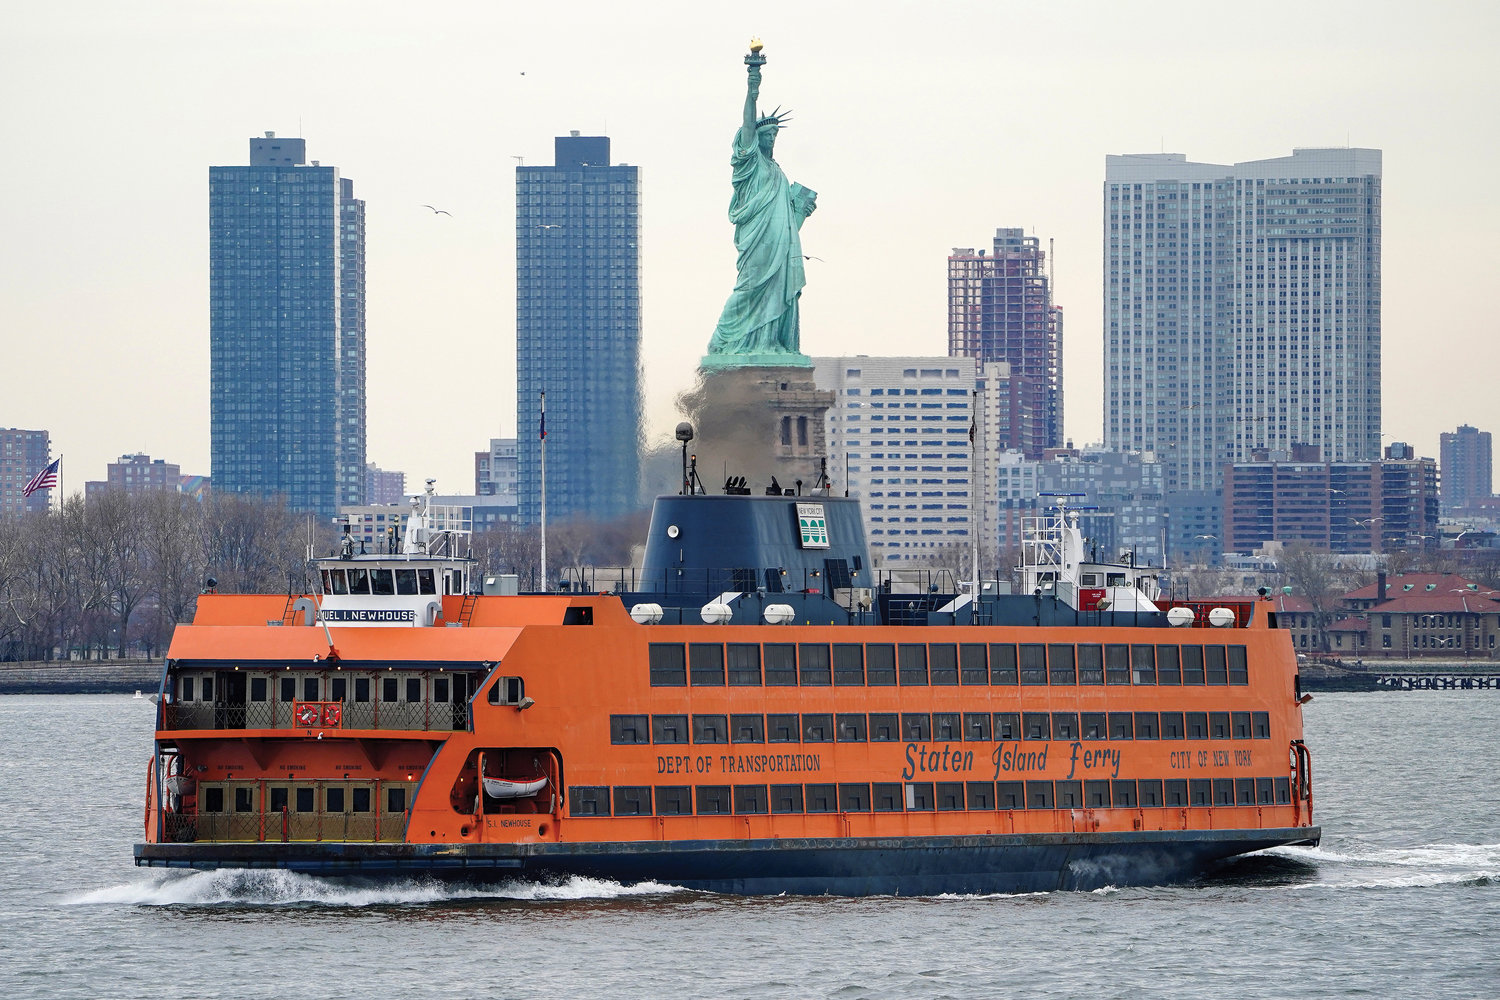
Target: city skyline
[[441, 131]]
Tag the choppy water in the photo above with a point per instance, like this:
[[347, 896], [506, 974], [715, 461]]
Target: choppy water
[[1402, 899]]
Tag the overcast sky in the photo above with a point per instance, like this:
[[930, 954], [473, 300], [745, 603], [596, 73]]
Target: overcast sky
[[923, 127]]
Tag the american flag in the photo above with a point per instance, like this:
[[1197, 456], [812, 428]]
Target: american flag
[[44, 480], [544, 418]]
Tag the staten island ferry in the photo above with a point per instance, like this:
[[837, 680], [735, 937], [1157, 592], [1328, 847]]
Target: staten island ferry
[[758, 711]]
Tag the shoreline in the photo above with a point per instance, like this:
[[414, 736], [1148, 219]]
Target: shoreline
[[81, 677]]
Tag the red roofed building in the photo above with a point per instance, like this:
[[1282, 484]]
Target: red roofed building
[[1418, 615]]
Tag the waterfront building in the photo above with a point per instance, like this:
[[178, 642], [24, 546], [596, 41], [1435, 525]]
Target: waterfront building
[[138, 473], [287, 328], [1242, 308], [495, 469], [384, 487], [1000, 309], [23, 454], [1467, 467], [578, 332]]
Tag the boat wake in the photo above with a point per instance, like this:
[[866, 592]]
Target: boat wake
[[1398, 867], [242, 887]]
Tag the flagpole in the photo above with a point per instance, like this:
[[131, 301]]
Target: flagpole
[[976, 477], [544, 490]]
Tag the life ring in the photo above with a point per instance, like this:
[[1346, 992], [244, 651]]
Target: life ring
[[333, 715], [307, 715]]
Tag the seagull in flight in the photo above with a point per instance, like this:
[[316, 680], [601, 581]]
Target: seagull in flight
[[808, 256], [555, 225], [439, 211]]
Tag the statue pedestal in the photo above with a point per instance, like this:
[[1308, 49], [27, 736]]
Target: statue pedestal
[[759, 422]]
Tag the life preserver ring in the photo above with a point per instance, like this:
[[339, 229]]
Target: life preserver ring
[[333, 715], [307, 715]]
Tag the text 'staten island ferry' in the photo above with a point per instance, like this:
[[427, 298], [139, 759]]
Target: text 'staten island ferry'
[[760, 716]]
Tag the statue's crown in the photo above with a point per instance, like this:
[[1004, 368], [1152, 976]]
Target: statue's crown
[[775, 118]]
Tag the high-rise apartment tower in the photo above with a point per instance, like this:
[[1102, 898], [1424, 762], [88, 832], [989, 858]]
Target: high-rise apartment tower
[[1467, 466]]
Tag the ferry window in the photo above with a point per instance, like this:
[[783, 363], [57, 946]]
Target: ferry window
[[889, 797], [1218, 725], [972, 664], [1260, 722], [749, 799], [781, 664], [919, 796], [1060, 664], [980, 794], [1070, 795], [1239, 669], [1241, 724], [1096, 794], [1143, 664], [1033, 663], [1213, 659], [1283, 791], [1172, 727], [1091, 664], [185, 685], [854, 798], [428, 585], [817, 728], [413, 690], [586, 800], [667, 664], [632, 800], [334, 582], [381, 583], [813, 664], [278, 800], [977, 727], [880, 659], [395, 800], [1065, 725], [747, 728], [1176, 792], [628, 729], [338, 687], [359, 800], [1167, 669], [884, 727], [1007, 725], [710, 729], [916, 727], [944, 657], [822, 798], [289, 689], [208, 689], [213, 800], [1192, 664], [1039, 795], [950, 796], [786, 798], [781, 728], [1121, 726], [674, 800], [947, 726], [848, 664], [852, 728], [1200, 792], [1264, 792], [1223, 791], [1093, 726], [244, 800], [333, 799], [707, 664], [1117, 664], [1244, 791], [1002, 663], [361, 690], [1146, 727], [406, 581], [306, 802], [1197, 725], [309, 688], [1037, 727], [744, 664], [505, 691], [669, 729], [1150, 794], [359, 581], [913, 658]]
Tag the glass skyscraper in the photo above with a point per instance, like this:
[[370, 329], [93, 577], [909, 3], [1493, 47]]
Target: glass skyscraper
[[1242, 309], [287, 329], [578, 332]]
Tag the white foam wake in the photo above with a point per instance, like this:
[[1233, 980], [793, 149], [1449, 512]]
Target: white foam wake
[[272, 887], [1417, 866]]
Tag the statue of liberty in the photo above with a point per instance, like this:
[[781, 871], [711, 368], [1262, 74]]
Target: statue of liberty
[[759, 325]]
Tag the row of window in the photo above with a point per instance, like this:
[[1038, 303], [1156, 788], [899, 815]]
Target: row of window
[[441, 688], [926, 727], [923, 796], [748, 664], [303, 799]]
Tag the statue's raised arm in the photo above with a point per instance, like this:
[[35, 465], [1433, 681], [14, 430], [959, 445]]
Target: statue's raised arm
[[759, 325]]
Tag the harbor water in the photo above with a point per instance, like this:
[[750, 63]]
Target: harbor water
[[1402, 899]]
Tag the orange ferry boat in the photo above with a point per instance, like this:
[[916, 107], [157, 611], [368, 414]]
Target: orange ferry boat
[[753, 719]]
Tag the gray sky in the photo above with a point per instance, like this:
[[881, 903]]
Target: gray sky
[[922, 126]]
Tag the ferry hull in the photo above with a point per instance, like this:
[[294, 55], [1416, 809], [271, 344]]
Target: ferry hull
[[908, 866]]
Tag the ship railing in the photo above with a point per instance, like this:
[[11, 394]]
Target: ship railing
[[422, 716]]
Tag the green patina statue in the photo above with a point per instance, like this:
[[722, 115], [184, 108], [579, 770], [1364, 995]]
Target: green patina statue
[[759, 325]]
